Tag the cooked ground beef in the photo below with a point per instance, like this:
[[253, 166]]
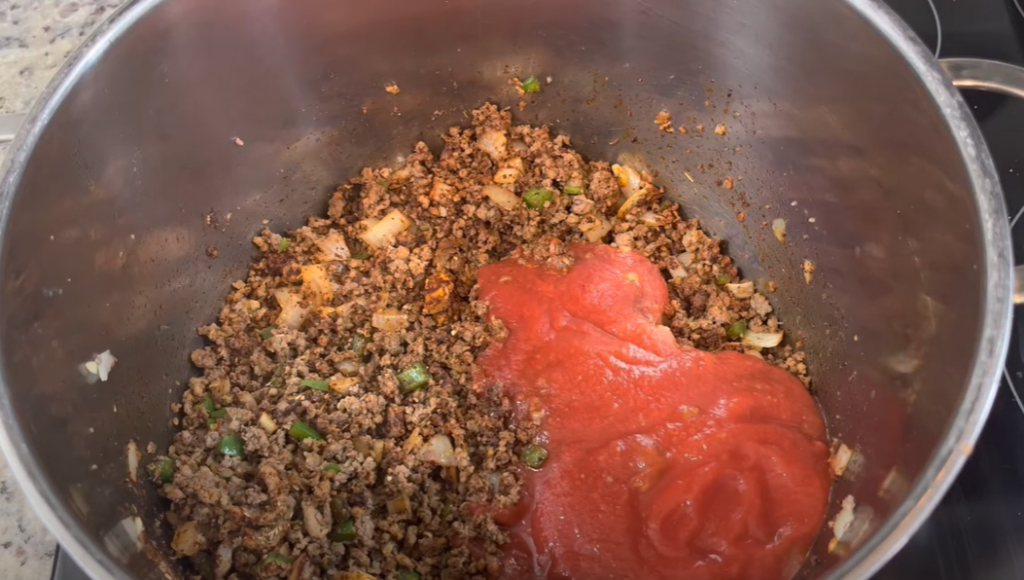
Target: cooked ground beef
[[314, 445]]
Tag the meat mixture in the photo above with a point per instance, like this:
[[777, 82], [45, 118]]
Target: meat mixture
[[336, 431]]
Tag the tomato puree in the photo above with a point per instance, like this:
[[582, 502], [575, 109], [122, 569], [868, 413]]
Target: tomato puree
[[664, 461]]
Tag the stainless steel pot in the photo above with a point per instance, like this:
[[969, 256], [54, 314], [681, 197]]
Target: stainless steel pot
[[839, 121]]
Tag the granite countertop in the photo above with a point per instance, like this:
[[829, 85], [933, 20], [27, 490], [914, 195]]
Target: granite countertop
[[35, 38]]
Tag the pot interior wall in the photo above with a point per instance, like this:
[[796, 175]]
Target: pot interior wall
[[107, 229]]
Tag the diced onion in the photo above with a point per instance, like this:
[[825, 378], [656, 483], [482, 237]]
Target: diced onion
[[246, 399], [438, 450], [762, 339], [372, 448], [441, 191], [220, 388], [507, 175], [694, 239], [519, 146], [515, 163], [675, 270], [348, 367], [377, 234], [844, 518], [632, 202], [98, 368], [267, 423], [633, 187], [104, 364], [595, 228], [634, 161], [342, 385], [840, 459], [188, 540], [313, 521], [400, 174], [317, 282], [741, 289], [505, 199], [334, 247], [134, 455], [651, 220], [677, 265], [389, 320], [779, 229], [494, 144], [629, 180], [223, 560], [293, 314]]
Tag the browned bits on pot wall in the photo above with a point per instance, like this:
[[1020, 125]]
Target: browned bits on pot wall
[[664, 121]]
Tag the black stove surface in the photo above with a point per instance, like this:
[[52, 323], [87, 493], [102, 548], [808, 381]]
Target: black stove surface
[[977, 532]]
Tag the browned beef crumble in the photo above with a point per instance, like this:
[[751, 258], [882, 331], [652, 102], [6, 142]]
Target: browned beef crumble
[[366, 501]]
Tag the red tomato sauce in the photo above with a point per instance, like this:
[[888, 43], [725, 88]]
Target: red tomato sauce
[[664, 461]]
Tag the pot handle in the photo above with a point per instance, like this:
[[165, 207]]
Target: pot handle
[[9, 125], [994, 77], [985, 75]]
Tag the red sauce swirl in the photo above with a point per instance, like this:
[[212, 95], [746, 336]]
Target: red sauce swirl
[[664, 461]]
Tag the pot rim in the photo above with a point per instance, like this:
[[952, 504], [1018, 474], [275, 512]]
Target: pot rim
[[997, 303], [941, 469]]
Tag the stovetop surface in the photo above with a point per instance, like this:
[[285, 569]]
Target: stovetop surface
[[977, 532]]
